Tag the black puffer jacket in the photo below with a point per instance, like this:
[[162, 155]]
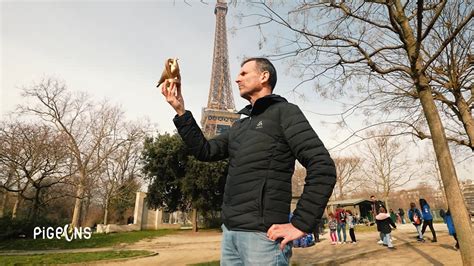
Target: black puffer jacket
[[262, 149]]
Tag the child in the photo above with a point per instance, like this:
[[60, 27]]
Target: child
[[427, 219], [415, 217], [384, 222], [449, 222], [332, 224], [350, 221]]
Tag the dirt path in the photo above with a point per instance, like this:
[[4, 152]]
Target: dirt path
[[367, 252], [414, 253], [177, 249], [189, 248]]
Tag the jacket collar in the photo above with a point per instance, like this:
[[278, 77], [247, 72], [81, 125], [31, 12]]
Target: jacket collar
[[261, 104]]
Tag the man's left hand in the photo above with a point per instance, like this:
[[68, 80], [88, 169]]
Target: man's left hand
[[285, 231]]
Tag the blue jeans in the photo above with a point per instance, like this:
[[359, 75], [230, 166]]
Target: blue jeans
[[418, 229], [341, 226], [252, 248], [387, 240]]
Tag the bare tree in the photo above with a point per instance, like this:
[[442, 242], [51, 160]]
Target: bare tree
[[121, 171], [386, 164], [34, 159], [403, 51], [347, 169], [451, 73], [403, 197], [88, 128], [3, 202]]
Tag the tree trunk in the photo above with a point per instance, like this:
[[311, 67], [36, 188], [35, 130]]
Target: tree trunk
[[195, 220], [106, 211], [3, 205], [441, 187], [340, 191], [385, 200], [16, 205], [34, 213], [467, 120], [77, 207], [386, 193], [86, 210], [456, 203]]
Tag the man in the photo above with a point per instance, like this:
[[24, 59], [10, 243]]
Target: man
[[376, 205], [262, 149], [341, 224]]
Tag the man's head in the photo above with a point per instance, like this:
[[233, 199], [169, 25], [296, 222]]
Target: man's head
[[412, 205], [372, 198], [257, 76]]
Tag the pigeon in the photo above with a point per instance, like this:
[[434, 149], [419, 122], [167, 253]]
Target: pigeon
[[171, 71]]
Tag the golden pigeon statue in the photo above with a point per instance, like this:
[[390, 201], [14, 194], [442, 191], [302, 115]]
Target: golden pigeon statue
[[171, 71]]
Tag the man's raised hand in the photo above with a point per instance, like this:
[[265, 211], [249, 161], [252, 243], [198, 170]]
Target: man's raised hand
[[171, 89]]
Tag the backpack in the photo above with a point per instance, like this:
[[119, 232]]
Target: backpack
[[416, 219]]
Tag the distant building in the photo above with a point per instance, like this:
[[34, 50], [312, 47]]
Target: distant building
[[359, 207]]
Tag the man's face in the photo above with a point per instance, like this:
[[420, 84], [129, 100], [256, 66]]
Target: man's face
[[249, 79], [372, 198]]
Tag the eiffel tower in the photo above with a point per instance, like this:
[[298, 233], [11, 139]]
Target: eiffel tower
[[220, 113]]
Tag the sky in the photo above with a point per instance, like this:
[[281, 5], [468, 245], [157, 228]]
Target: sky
[[116, 50]]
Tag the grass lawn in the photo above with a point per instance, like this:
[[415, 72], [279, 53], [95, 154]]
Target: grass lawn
[[96, 241], [62, 258]]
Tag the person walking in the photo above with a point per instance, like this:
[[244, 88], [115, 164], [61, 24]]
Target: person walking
[[416, 218], [384, 222], [448, 220], [262, 149], [427, 219], [350, 220]]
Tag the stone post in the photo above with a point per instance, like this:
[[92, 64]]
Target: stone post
[[139, 206]]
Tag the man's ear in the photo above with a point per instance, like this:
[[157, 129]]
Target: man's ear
[[264, 77]]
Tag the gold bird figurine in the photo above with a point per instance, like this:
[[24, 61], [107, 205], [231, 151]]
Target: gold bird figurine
[[171, 71]]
